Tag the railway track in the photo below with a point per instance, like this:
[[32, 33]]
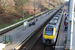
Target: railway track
[[5, 31], [35, 42], [49, 48], [40, 46]]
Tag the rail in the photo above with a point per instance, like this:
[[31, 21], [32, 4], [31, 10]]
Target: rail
[[26, 19], [21, 21], [17, 47]]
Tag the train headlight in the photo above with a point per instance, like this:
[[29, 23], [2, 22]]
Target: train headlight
[[52, 41], [44, 40]]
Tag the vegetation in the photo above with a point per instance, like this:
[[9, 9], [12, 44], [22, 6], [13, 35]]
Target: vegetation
[[11, 11]]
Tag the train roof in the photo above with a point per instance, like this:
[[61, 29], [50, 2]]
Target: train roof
[[54, 20], [49, 26]]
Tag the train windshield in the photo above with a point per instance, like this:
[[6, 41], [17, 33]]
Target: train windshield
[[49, 31]]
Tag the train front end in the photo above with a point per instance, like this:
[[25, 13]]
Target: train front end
[[49, 35]]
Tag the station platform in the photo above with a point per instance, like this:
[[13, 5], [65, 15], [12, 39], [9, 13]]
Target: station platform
[[62, 33], [20, 34]]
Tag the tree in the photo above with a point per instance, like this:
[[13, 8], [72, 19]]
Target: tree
[[3, 5], [20, 3]]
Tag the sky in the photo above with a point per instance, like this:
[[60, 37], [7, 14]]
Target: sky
[[66, 0]]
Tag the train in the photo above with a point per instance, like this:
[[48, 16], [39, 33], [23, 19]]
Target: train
[[51, 30]]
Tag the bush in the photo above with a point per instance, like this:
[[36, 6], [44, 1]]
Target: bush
[[1, 10]]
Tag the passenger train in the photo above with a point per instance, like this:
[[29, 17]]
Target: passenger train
[[51, 30]]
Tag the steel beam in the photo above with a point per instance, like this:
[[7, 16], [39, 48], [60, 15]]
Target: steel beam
[[70, 25]]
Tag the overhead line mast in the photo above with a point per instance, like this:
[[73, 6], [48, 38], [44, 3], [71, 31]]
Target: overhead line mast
[[70, 34]]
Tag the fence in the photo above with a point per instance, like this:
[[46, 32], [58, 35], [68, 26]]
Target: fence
[[6, 38], [20, 22]]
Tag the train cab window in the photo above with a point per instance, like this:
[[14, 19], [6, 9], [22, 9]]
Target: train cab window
[[49, 31]]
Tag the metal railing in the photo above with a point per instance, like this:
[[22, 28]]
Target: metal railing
[[21, 21]]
